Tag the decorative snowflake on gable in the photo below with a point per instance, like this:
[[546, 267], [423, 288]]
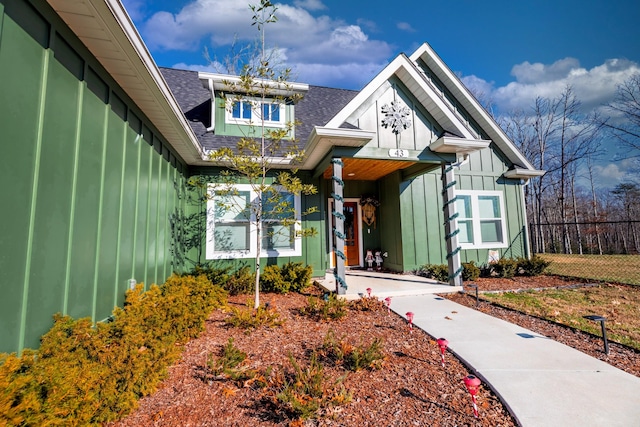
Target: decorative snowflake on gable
[[396, 116]]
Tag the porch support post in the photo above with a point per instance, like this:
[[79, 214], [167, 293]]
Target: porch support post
[[451, 224], [338, 230]]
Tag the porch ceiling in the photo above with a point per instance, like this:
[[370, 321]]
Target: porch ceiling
[[368, 170]]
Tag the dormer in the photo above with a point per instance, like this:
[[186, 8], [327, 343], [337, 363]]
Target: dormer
[[238, 109]]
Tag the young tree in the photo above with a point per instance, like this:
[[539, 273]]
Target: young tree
[[262, 149]]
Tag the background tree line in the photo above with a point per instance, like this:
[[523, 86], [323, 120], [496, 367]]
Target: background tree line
[[568, 209]]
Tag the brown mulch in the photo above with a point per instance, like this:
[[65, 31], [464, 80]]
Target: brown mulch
[[411, 389]]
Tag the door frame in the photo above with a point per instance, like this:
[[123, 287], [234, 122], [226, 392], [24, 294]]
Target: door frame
[[331, 236]]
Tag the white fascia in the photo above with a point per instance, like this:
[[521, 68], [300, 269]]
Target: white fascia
[[215, 81], [323, 139], [473, 107]]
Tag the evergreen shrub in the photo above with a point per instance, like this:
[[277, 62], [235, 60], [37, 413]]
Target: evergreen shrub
[[470, 271], [86, 374], [533, 266]]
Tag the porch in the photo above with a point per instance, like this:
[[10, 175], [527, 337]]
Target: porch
[[386, 284]]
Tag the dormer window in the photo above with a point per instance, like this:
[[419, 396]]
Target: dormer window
[[251, 111], [241, 109]]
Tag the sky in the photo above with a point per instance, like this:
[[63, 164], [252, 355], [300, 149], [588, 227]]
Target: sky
[[511, 51]]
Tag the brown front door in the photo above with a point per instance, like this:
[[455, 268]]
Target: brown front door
[[351, 241]]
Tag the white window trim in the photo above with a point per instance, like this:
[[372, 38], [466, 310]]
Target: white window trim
[[256, 112], [474, 194], [211, 253]]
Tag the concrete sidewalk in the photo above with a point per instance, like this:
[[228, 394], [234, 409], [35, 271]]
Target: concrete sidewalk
[[543, 382]]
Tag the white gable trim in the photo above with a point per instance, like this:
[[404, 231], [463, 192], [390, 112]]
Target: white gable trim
[[473, 107], [407, 72]]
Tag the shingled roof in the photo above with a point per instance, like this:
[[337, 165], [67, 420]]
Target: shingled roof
[[319, 105]]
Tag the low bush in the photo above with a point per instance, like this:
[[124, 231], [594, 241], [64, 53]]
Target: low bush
[[249, 318], [352, 357], [333, 308], [291, 277], [533, 266], [241, 282], [505, 268], [439, 272], [470, 271], [302, 392], [86, 374], [231, 365], [366, 303]]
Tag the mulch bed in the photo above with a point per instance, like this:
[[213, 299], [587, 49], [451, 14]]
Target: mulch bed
[[411, 389]]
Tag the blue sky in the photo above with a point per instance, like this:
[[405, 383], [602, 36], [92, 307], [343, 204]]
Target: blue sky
[[512, 51]]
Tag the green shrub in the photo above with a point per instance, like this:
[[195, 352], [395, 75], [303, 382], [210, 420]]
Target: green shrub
[[505, 268], [230, 364], [470, 271], [241, 282], [297, 275], [86, 374], [304, 391], [217, 276], [250, 318], [291, 277], [439, 272], [271, 280], [333, 308], [366, 303], [352, 357], [533, 266]]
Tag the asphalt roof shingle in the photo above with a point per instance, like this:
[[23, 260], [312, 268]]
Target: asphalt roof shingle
[[319, 105]]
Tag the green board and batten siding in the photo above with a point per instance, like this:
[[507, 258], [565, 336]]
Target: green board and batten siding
[[422, 218], [86, 195]]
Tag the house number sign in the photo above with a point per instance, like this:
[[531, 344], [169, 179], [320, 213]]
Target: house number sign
[[397, 152]]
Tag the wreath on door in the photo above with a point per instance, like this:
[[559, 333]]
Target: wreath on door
[[369, 205]]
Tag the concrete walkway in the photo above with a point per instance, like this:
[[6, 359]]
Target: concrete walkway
[[544, 383]]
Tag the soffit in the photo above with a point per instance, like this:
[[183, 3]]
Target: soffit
[[107, 31], [367, 170]]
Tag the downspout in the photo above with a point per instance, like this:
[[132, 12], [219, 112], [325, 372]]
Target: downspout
[[213, 106]]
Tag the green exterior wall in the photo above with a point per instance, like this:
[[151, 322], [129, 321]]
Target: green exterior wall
[[86, 195], [314, 249], [423, 236]]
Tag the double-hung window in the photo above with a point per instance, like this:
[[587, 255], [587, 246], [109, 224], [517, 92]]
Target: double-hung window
[[250, 111], [481, 219], [232, 228]]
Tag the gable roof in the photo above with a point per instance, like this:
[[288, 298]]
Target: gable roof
[[472, 106], [455, 127]]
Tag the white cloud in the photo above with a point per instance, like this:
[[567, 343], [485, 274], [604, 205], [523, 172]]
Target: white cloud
[[405, 26], [593, 87], [310, 4], [611, 174], [218, 23], [322, 50]]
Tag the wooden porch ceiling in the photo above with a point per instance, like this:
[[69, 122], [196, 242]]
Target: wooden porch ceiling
[[367, 170]]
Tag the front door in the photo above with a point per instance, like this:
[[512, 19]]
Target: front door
[[351, 233], [351, 241]]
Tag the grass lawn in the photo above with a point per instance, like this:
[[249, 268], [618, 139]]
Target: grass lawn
[[607, 268], [619, 304]]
